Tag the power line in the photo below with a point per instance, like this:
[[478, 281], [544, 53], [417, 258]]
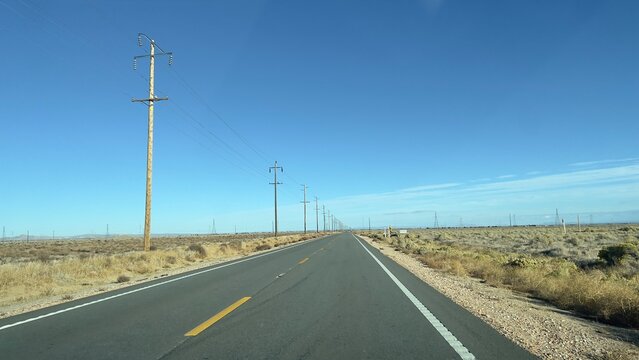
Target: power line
[[249, 167], [217, 115]]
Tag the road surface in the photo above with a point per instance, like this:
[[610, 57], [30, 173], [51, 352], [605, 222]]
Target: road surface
[[331, 298]]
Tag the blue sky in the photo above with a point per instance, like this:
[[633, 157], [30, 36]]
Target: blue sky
[[386, 109]]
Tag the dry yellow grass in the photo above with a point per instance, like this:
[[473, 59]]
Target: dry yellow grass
[[586, 285], [40, 277]]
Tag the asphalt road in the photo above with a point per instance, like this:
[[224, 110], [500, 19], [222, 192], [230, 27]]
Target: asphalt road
[[323, 299]]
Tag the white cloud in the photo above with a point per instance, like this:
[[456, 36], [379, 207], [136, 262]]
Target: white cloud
[[607, 189], [602, 162]]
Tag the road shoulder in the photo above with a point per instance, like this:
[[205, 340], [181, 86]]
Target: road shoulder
[[541, 329]]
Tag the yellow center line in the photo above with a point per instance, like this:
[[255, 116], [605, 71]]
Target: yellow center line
[[203, 326], [303, 261]]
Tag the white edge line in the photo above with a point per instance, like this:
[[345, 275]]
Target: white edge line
[[148, 287], [459, 348]]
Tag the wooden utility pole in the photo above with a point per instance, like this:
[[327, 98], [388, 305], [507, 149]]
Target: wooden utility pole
[[149, 147], [316, 216], [304, 202], [324, 216], [275, 183]]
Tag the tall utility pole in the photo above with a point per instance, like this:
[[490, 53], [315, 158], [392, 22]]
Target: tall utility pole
[[149, 147], [3, 233], [436, 225], [316, 216], [213, 229], [369, 224], [557, 221], [323, 215], [275, 183], [304, 202]]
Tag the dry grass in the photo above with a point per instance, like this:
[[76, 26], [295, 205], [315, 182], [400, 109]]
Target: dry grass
[[58, 269], [605, 290]]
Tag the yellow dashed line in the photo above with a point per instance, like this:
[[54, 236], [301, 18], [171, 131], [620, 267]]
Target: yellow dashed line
[[203, 326]]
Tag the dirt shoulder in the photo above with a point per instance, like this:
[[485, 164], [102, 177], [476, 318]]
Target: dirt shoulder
[[543, 330]]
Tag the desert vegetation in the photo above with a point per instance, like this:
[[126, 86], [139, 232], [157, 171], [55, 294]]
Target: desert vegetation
[[593, 272], [40, 270]]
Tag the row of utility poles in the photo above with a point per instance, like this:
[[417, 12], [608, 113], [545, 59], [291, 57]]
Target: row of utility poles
[[155, 50], [334, 223]]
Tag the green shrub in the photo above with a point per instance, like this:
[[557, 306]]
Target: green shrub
[[615, 254]]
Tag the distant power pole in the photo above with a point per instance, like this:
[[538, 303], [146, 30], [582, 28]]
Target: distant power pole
[[510, 219], [304, 202], [53, 237], [3, 233], [436, 221], [369, 224], [514, 219], [107, 232], [578, 224], [316, 216], [557, 221], [214, 230], [324, 216], [275, 183], [149, 147]]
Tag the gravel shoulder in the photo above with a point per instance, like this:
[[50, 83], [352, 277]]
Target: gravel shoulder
[[545, 331]]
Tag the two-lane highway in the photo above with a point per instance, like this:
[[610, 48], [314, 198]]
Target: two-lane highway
[[331, 298]]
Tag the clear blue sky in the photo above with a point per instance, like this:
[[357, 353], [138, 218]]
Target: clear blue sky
[[386, 109]]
